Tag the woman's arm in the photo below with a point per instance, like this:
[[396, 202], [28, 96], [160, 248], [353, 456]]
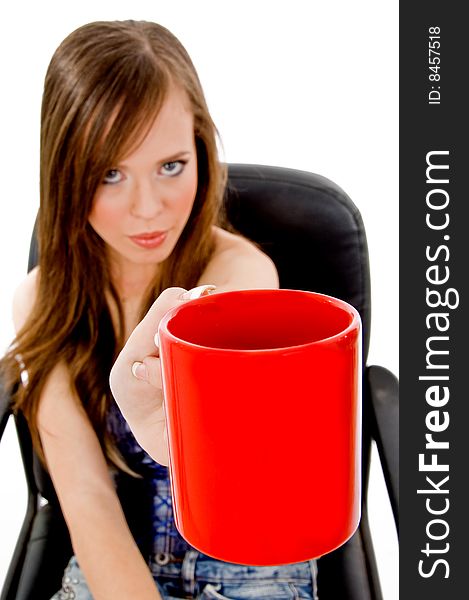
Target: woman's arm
[[106, 551], [103, 544]]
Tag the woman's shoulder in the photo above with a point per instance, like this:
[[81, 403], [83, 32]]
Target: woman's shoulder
[[24, 298], [237, 263]]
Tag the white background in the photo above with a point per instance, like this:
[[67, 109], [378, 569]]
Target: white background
[[302, 84]]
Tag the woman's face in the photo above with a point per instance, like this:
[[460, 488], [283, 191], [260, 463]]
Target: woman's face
[[142, 205]]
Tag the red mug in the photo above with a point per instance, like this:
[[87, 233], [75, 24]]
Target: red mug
[[263, 406]]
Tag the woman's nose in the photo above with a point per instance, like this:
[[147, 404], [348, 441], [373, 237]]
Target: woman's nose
[[146, 201]]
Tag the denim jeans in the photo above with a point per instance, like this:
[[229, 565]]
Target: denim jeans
[[197, 576]]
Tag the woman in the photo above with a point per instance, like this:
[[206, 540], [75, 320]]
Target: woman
[[131, 189]]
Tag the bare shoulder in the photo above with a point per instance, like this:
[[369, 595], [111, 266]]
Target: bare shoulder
[[24, 298], [237, 263]]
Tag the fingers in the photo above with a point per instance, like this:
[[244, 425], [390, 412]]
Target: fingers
[[135, 378], [135, 357], [148, 370], [198, 292], [139, 347], [141, 343]]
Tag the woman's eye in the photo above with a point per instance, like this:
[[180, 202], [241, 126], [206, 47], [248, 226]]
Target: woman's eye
[[173, 168], [112, 176]]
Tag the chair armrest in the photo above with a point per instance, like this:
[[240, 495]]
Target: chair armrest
[[5, 408], [10, 583], [382, 388]]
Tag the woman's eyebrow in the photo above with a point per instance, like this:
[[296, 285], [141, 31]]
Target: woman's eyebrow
[[162, 161], [176, 155]]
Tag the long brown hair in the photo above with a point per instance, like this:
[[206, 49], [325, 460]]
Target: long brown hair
[[104, 84]]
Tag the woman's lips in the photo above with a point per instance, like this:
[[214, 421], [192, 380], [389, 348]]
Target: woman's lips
[[149, 240]]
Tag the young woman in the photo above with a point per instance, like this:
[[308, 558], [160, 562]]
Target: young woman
[[131, 190]]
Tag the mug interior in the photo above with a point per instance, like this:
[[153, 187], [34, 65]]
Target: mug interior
[[260, 319]]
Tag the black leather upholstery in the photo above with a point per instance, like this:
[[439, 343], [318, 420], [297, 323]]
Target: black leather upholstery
[[315, 235]]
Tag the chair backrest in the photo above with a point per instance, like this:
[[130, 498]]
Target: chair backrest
[[314, 234]]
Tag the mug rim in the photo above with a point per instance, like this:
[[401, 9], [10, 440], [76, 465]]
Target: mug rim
[[355, 323]]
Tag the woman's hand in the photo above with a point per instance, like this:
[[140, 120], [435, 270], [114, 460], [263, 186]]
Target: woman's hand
[[136, 375]]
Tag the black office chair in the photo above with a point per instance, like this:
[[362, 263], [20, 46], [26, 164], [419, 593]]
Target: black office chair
[[315, 236]]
